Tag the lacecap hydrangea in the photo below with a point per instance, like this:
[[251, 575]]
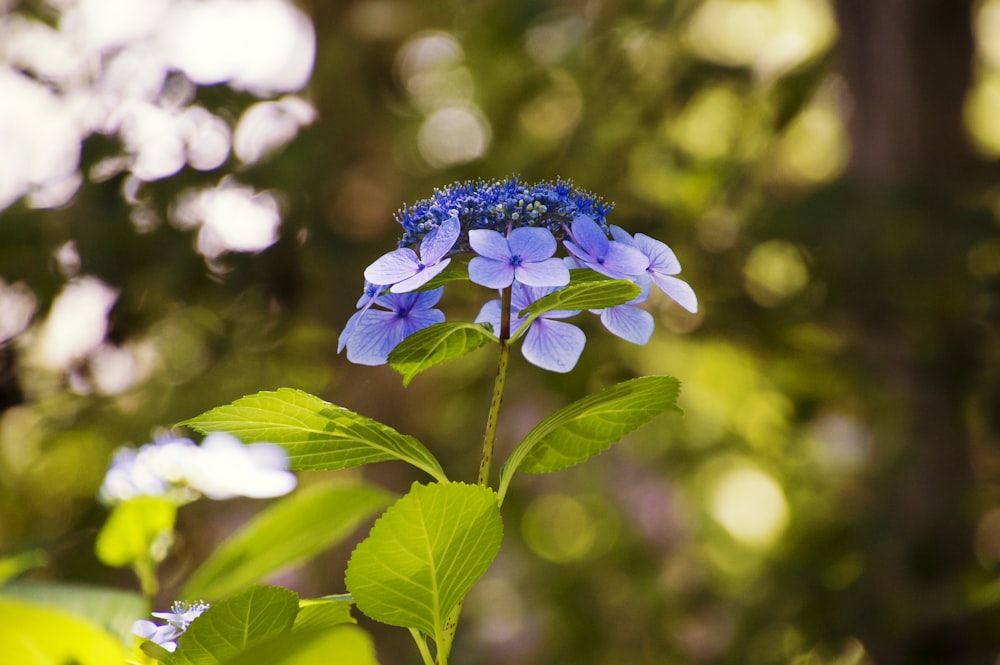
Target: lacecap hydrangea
[[513, 232]]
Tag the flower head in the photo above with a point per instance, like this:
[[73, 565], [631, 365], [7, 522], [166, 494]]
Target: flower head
[[663, 264], [177, 621], [591, 246], [376, 332], [221, 468], [549, 343]]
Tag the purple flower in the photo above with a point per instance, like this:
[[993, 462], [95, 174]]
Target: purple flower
[[177, 622], [406, 271], [631, 323], [366, 300], [524, 255], [376, 332], [549, 344], [590, 245], [662, 264]]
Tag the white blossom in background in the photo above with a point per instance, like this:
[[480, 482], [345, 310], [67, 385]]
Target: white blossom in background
[[76, 324], [266, 127], [17, 306], [222, 467], [177, 621], [231, 218]]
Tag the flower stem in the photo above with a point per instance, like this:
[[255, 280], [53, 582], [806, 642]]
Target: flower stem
[[498, 385]]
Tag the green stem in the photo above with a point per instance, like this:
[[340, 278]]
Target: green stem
[[491, 419], [145, 570], [425, 652]]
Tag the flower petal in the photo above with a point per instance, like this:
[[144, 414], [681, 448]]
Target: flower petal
[[632, 324], [624, 259], [374, 337], [422, 277], [550, 272], [439, 242], [490, 244], [393, 267], [661, 258], [553, 345], [491, 273], [679, 290], [532, 243], [589, 236]]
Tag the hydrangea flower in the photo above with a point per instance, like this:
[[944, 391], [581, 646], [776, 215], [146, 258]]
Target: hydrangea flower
[[526, 254], [591, 246], [376, 332], [406, 271], [549, 343], [177, 621], [513, 230], [221, 468], [663, 264]]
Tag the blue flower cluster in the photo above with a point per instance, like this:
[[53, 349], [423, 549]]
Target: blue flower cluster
[[514, 231]]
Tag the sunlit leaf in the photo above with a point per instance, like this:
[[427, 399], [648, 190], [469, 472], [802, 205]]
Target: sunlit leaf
[[114, 610], [229, 627], [585, 295], [32, 634], [424, 554], [317, 435], [12, 566], [590, 425], [138, 529], [318, 613], [289, 532], [436, 344], [342, 645]]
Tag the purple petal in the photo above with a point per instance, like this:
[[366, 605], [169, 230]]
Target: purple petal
[[661, 258], [490, 244], [579, 254], [439, 242], [589, 236], [491, 273], [420, 299], [490, 313], [550, 272], [679, 290], [532, 243], [374, 337], [620, 234], [420, 319], [633, 324], [393, 267], [625, 260], [422, 277], [553, 345], [348, 330]]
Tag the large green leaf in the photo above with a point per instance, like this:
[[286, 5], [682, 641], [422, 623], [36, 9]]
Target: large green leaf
[[424, 554], [342, 645], [585, 295], [140, 529], [229, 627], [317, 435], [320, 613], [31, 634], [114, 610], [292, 530], [590, 425], [435, 344]]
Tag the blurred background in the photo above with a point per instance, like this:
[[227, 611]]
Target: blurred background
[[190, 190]]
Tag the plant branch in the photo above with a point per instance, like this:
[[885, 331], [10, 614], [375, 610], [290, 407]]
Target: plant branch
[[489, 436]]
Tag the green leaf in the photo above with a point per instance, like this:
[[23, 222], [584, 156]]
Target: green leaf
[[585, 295], [590, 425], [14, 565], [435, 344], [317, 435], [31, 634], [343, 645], [229, 627], [319, 613], [140, 529], [289, 532], [113, 610], [424, 554]]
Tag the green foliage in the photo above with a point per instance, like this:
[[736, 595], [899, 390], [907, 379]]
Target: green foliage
[[589, 425], [12, 566], [343, 645], [229, 627], [138, 530], [32, 634], [319, 613], [317, 435], [114, 610], [436, 344], [585, 294], [292, 530], [424, 554]]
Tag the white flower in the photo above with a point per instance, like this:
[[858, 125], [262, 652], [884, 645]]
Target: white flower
[[221, 468], [177, 622]]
